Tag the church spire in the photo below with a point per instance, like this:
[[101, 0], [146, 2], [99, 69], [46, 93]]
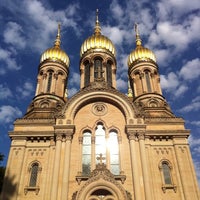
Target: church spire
[[58, 40], [97, 29], [138, 39]]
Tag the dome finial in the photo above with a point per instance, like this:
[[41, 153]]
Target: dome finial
[[97, 29], [58, 41], [138, 40]]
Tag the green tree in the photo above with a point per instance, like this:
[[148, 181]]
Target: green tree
[[2, 171]]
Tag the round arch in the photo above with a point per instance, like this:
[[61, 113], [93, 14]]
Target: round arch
[[109, 189], [110, 96]]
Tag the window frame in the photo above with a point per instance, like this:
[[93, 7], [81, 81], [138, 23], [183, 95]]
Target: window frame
[[29, 187], [165, 186]]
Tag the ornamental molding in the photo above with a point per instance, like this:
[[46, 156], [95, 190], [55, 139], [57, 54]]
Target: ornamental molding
[[163, 119], [25, 121], [97, 87], [99, 109], [98, 176]]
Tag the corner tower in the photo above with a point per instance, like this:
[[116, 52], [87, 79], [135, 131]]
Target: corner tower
[[145, 81], [97, 63], [52, 78]]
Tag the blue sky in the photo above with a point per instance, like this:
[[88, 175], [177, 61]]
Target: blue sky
[[170, 28]]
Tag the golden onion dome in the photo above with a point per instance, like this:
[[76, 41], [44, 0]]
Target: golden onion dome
[[140, 53], [97, 41], [55, 53]]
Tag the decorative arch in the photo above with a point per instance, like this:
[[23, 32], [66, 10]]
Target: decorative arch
[[113, 97], [102, 182]]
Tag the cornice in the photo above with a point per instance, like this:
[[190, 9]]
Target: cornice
[[170, 120]]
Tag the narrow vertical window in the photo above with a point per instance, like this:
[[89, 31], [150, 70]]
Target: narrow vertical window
[[109, 73], [86, 151], [166, 173], [100, 139], [49, 81], [87, 73], [114, 152], [34, 175], [98, 68], [148, 83]]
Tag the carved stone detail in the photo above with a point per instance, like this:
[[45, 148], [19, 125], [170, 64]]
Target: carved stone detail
[[101, 172], [99, 109]]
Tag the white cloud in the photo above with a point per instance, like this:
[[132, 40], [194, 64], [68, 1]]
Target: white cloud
[[13, 35], [194, 141], [169, 82], [117, 10], [6, 57], [196, 123], [115, 34], [180, 90], [193, 106], [191, 70], [26, 90], [9, 113], [72, 91], [5, 92], [121, 84], [162, 56], [74, 80]]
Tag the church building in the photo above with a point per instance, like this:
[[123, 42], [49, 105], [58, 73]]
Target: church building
[[99, 144]]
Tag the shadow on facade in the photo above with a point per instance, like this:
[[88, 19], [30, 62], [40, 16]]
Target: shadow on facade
[[9, 187]]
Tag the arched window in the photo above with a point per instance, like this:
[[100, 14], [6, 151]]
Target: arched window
[[86, 153], [98, 68], [49, 81], [166, 173], [34, 175], [87, 73], [114, 152], [109, 73], [103, 149], [148, 83], [100, 141]]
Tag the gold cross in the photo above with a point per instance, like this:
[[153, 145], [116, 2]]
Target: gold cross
[[101, 158]]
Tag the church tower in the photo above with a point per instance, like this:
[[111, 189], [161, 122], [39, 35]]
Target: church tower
[[100, 144]]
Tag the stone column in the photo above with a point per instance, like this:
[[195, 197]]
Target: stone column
[[152, 82], [134, 160], [93, 161], [54, 188], [44, 83], [141, 137], [135, 88], [120, 155], [65, 181], [143, 83], [55, 83], [80, 140]]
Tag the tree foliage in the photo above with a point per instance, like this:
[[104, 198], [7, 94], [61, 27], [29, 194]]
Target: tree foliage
[[2, 171]]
